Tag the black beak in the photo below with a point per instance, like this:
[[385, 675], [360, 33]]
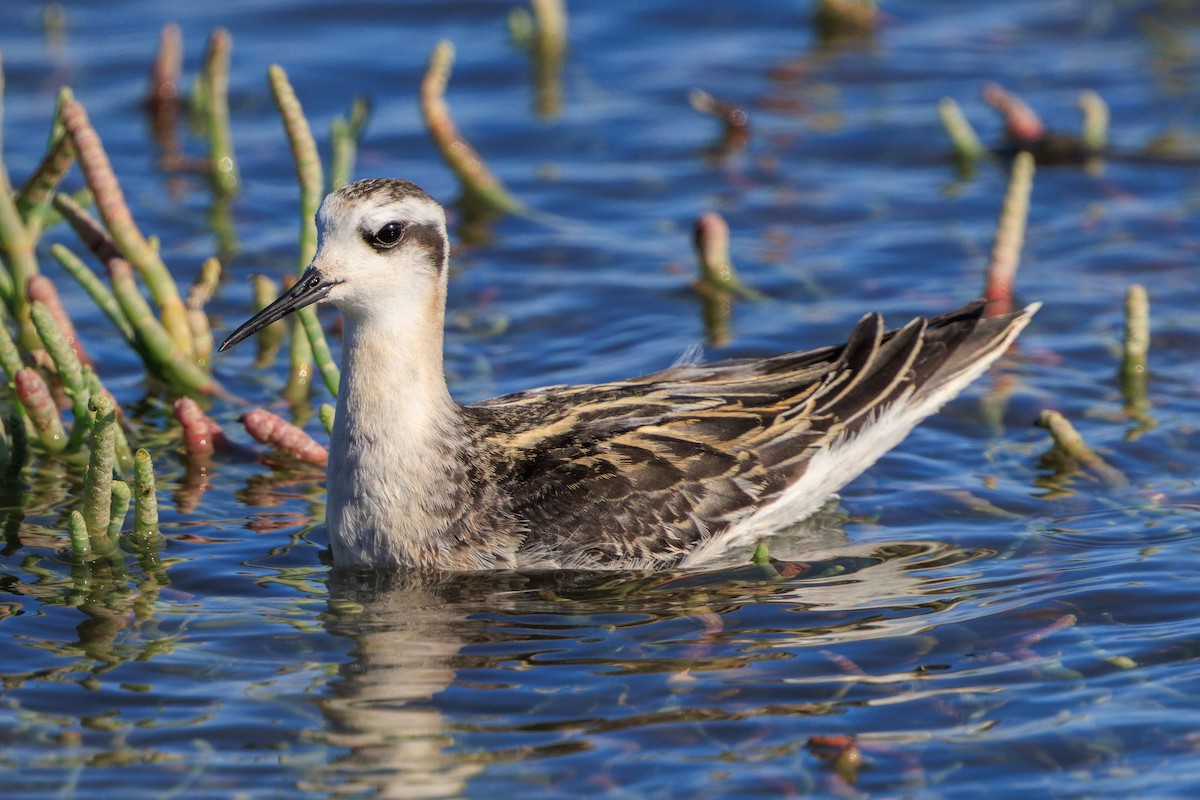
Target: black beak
[[309, 289]]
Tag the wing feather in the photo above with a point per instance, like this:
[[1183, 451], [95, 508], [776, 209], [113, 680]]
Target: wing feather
[[642, 471]]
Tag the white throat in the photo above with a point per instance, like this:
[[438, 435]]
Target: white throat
[[396, 424]]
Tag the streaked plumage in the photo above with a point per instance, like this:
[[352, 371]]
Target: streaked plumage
[[666, 469]]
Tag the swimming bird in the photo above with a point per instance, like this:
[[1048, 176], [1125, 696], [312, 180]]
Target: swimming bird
[[667, 469]]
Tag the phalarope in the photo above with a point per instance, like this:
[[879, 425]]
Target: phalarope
[[667, 469]]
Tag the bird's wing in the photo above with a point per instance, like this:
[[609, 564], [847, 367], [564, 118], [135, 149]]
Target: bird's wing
[[642, 471]]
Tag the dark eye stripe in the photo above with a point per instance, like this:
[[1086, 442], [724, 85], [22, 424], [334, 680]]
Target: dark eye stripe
[[427, 236], [432, 239]]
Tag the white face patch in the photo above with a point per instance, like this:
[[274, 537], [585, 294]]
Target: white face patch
[[342, 215], [395, 282], [410, 209]]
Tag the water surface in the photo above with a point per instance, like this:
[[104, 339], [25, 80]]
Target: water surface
[[980, 624]]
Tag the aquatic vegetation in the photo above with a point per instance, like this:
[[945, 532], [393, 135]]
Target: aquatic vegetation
[[212, 95], [173, 336], [482, 191], [1025, 132], [968, 148], [735, 123], [544, 35], [344, 133], [96, 530], [278, 433], [718, 283], [1070, 453], [48, 368], [845, 20], [1010, 236], [969, 617], [312, 188], [171, 331], [1134, 371]]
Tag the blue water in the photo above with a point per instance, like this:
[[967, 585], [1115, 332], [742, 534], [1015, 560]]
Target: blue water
[[982, 626]]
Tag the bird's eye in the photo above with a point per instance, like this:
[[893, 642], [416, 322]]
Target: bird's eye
[[389, 235]]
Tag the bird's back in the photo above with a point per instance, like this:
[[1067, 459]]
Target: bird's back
[[679, 464]]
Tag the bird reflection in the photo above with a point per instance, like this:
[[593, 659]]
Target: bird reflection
[[414, 638], [407, 638]]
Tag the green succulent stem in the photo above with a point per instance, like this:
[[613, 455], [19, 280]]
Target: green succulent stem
[[95, 288], [479, 184], [81, 543], [110, 202], [223, 167], [97, 487], [963, 137], [120, 508], [145, 502], [345, 134], [309, 172]]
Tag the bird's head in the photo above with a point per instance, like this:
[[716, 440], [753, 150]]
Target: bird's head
[[382, 253]]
